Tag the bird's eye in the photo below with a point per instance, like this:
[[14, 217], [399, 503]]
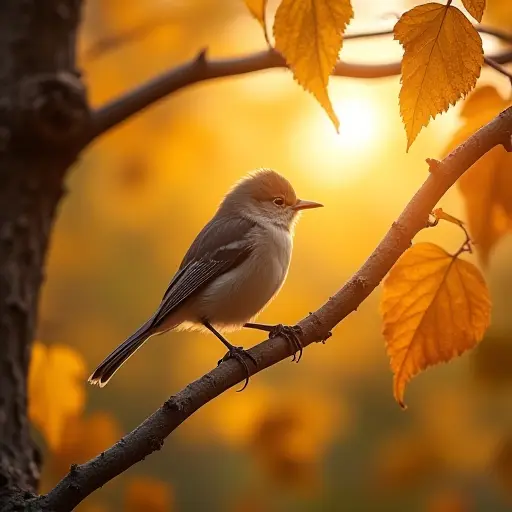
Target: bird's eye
[[279, 201]]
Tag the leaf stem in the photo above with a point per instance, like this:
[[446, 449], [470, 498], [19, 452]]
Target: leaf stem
[[466, 245]]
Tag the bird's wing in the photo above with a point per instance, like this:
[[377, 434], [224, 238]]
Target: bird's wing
[[220, 247]]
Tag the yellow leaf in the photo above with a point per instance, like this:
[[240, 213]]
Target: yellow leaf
[[487, 184], [309, 34], [56, 389], [484, 101], [148, 495], [257, 8], [475, 8], [442, 61], [434, 307]]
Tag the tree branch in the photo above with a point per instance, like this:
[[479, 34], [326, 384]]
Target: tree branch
[[201, 69], [499, 68], [137, 32], [148, 437]]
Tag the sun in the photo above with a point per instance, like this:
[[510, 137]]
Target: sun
[[357, 125], [315, 140]]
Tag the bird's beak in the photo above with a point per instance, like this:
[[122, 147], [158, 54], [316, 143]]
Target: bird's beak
[[305, 205]]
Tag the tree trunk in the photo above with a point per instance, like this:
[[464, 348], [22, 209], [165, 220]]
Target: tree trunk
[[43, 119]]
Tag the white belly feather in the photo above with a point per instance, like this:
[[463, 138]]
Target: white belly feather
[[239, 295]]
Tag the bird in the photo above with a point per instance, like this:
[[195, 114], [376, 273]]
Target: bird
[[235, 266]]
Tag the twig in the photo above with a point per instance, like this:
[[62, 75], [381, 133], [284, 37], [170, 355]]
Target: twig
[[495, 32], [433, 164], [498, 67], [466, 245], [114, 41], [136, 33], [201, 69], [84, 479]]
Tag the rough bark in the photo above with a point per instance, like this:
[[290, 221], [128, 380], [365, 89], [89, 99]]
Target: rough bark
[[43, 113]]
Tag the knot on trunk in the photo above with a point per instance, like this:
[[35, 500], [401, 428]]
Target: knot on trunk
[[54, 108]]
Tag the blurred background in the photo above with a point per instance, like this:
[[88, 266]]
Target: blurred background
[[325, 434]]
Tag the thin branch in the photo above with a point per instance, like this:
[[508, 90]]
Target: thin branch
[[148, 437], [495, 32], [483, 29], [201, 69], [498, 67], [132, 34]]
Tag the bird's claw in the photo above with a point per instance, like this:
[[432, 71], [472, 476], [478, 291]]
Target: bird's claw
[[238, 353], [292, 335]]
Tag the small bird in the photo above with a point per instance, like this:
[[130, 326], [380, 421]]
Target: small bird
[[232, 270]]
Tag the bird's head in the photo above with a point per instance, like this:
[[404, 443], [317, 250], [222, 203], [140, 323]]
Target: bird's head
[[266, 196]]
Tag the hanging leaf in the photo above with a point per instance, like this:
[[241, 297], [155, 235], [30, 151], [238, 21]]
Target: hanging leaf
[[309, 34], [487, 185], [258, 9], [475, 8], [442, 61], [435, 306]]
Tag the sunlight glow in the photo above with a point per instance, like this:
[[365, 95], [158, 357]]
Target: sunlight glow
[[340, 156]]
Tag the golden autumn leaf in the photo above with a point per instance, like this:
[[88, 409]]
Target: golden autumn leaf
[[148, 495], [434, 307], [309, 34], [487, 184], [257, 8], [55, 388], [475, 8], [85, 438], [484, 101], [442, 61]]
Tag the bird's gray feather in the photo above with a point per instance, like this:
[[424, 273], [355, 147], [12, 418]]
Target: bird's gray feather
[[222, 245]]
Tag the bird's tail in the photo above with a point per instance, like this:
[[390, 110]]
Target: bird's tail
[[113, 362]]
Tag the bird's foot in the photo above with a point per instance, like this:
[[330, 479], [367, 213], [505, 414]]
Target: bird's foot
[[292, 335], [240, 354]]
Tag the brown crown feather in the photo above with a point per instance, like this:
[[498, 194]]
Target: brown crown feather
[[265, 184]]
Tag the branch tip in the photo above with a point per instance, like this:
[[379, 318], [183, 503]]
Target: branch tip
[[201, 56], [433, 165], [499, 68]]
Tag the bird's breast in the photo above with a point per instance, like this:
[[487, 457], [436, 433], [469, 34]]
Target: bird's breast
[[239, 295]]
